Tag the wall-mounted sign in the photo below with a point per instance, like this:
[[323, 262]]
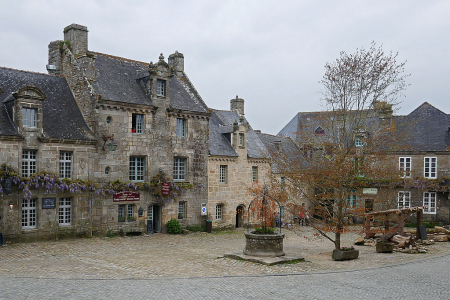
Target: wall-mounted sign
[[165, 189], [126, 196], [7, 184], [48, 203], [371, 191], [204, 211]]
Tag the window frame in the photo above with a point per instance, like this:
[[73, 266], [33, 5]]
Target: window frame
[[29, 163], [430, 200], [219, 211], [65, 211], [137, 122], [430, 172], [130, 212], [401, 199], [223, 174], [121, 213], [255, 173], [405, 166], [181, 127], [182, 210], [360, 141], [179, 169], [241, 140], [29, 117], [136, 168], [160, 87], [29, 213], [65, 165]]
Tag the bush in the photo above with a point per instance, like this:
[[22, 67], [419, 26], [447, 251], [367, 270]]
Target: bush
[[264, 229], [174, 227], [427, 224], [196, 228]]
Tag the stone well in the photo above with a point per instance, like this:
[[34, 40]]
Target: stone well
[[264, 245]]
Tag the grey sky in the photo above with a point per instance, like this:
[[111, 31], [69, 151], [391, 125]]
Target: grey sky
[[270, 53]]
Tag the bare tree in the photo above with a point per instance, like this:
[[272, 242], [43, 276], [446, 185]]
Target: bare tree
[[347, 147]]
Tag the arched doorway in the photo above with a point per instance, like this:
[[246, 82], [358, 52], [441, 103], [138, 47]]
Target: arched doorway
[[240, 216], [153, 218]]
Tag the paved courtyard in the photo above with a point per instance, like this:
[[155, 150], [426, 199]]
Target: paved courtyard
[[183, 256]]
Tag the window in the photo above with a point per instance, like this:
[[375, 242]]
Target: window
[[351, 200], [181, 210], [29, 116], [65, 211], [223, 174], [430, 166], [137, 123], [65, 164], [29, 213], [137, 168], [241, 140], [359, 166], [254, 174], [181, 127], [28, 163], [404, 200], [404, 164], [179, 169], [308, 152], [130, 212], [160, 87], [429, 200], [108, 119], [319, 131], [359, 141], [219, 212], [121, 213]]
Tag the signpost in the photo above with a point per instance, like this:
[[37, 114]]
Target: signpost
[[126, 196], [204, 211], [48, 203]]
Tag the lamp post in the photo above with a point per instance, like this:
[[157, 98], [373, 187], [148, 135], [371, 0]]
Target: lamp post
[[111, 146]]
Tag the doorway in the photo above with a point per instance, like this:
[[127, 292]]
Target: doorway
[[240, 216], [153, 219]]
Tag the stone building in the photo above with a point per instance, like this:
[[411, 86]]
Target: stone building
[[237, 159], [422, 158], [110, 119]]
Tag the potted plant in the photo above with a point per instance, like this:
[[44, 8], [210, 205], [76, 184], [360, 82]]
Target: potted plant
[[345, 253], [121, 219]]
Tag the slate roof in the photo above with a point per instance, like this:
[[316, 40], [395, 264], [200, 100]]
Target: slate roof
[[123, 80], [427, 128], [220, 124], [61, 117], [288, 148]]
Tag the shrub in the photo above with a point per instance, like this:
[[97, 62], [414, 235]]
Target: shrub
[[196, 228], [174, 227], [264, 229]]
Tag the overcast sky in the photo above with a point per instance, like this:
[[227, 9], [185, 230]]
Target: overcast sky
[[270, 53]]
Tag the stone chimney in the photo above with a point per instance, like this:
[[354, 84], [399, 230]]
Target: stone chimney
[[54, 58], [176, 61], [237, 105], [77, 36]]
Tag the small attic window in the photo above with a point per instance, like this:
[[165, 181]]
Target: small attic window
[[160, 87], [319, 131], [277, 145]]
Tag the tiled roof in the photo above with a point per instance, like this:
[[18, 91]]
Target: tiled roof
[[184, 96], [220, 124], [61, 117]]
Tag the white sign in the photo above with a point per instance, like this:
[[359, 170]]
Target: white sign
[[370, 191], [204, 211]]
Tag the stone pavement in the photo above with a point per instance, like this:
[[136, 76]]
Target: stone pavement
[[182, 256]]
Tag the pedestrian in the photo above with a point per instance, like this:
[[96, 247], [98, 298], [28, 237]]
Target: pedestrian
[[302, 218], [307, 216]]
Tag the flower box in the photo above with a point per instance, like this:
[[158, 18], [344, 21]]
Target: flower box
[[339, 254]]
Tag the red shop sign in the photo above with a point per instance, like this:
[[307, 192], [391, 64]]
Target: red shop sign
[[165, 189], [126, 196]]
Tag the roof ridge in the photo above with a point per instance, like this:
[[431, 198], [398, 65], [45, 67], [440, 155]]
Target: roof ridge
[[32, 72], [121, 58]]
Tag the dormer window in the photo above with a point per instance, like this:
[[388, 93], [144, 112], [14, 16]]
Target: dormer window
[[359, 141], [160, 87], [319, 131], [277, 145], [29, 117]]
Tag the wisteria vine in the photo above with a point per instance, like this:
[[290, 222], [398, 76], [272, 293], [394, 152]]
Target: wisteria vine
[[51, 183]]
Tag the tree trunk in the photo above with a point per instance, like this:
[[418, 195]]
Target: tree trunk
[[337, 240]]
